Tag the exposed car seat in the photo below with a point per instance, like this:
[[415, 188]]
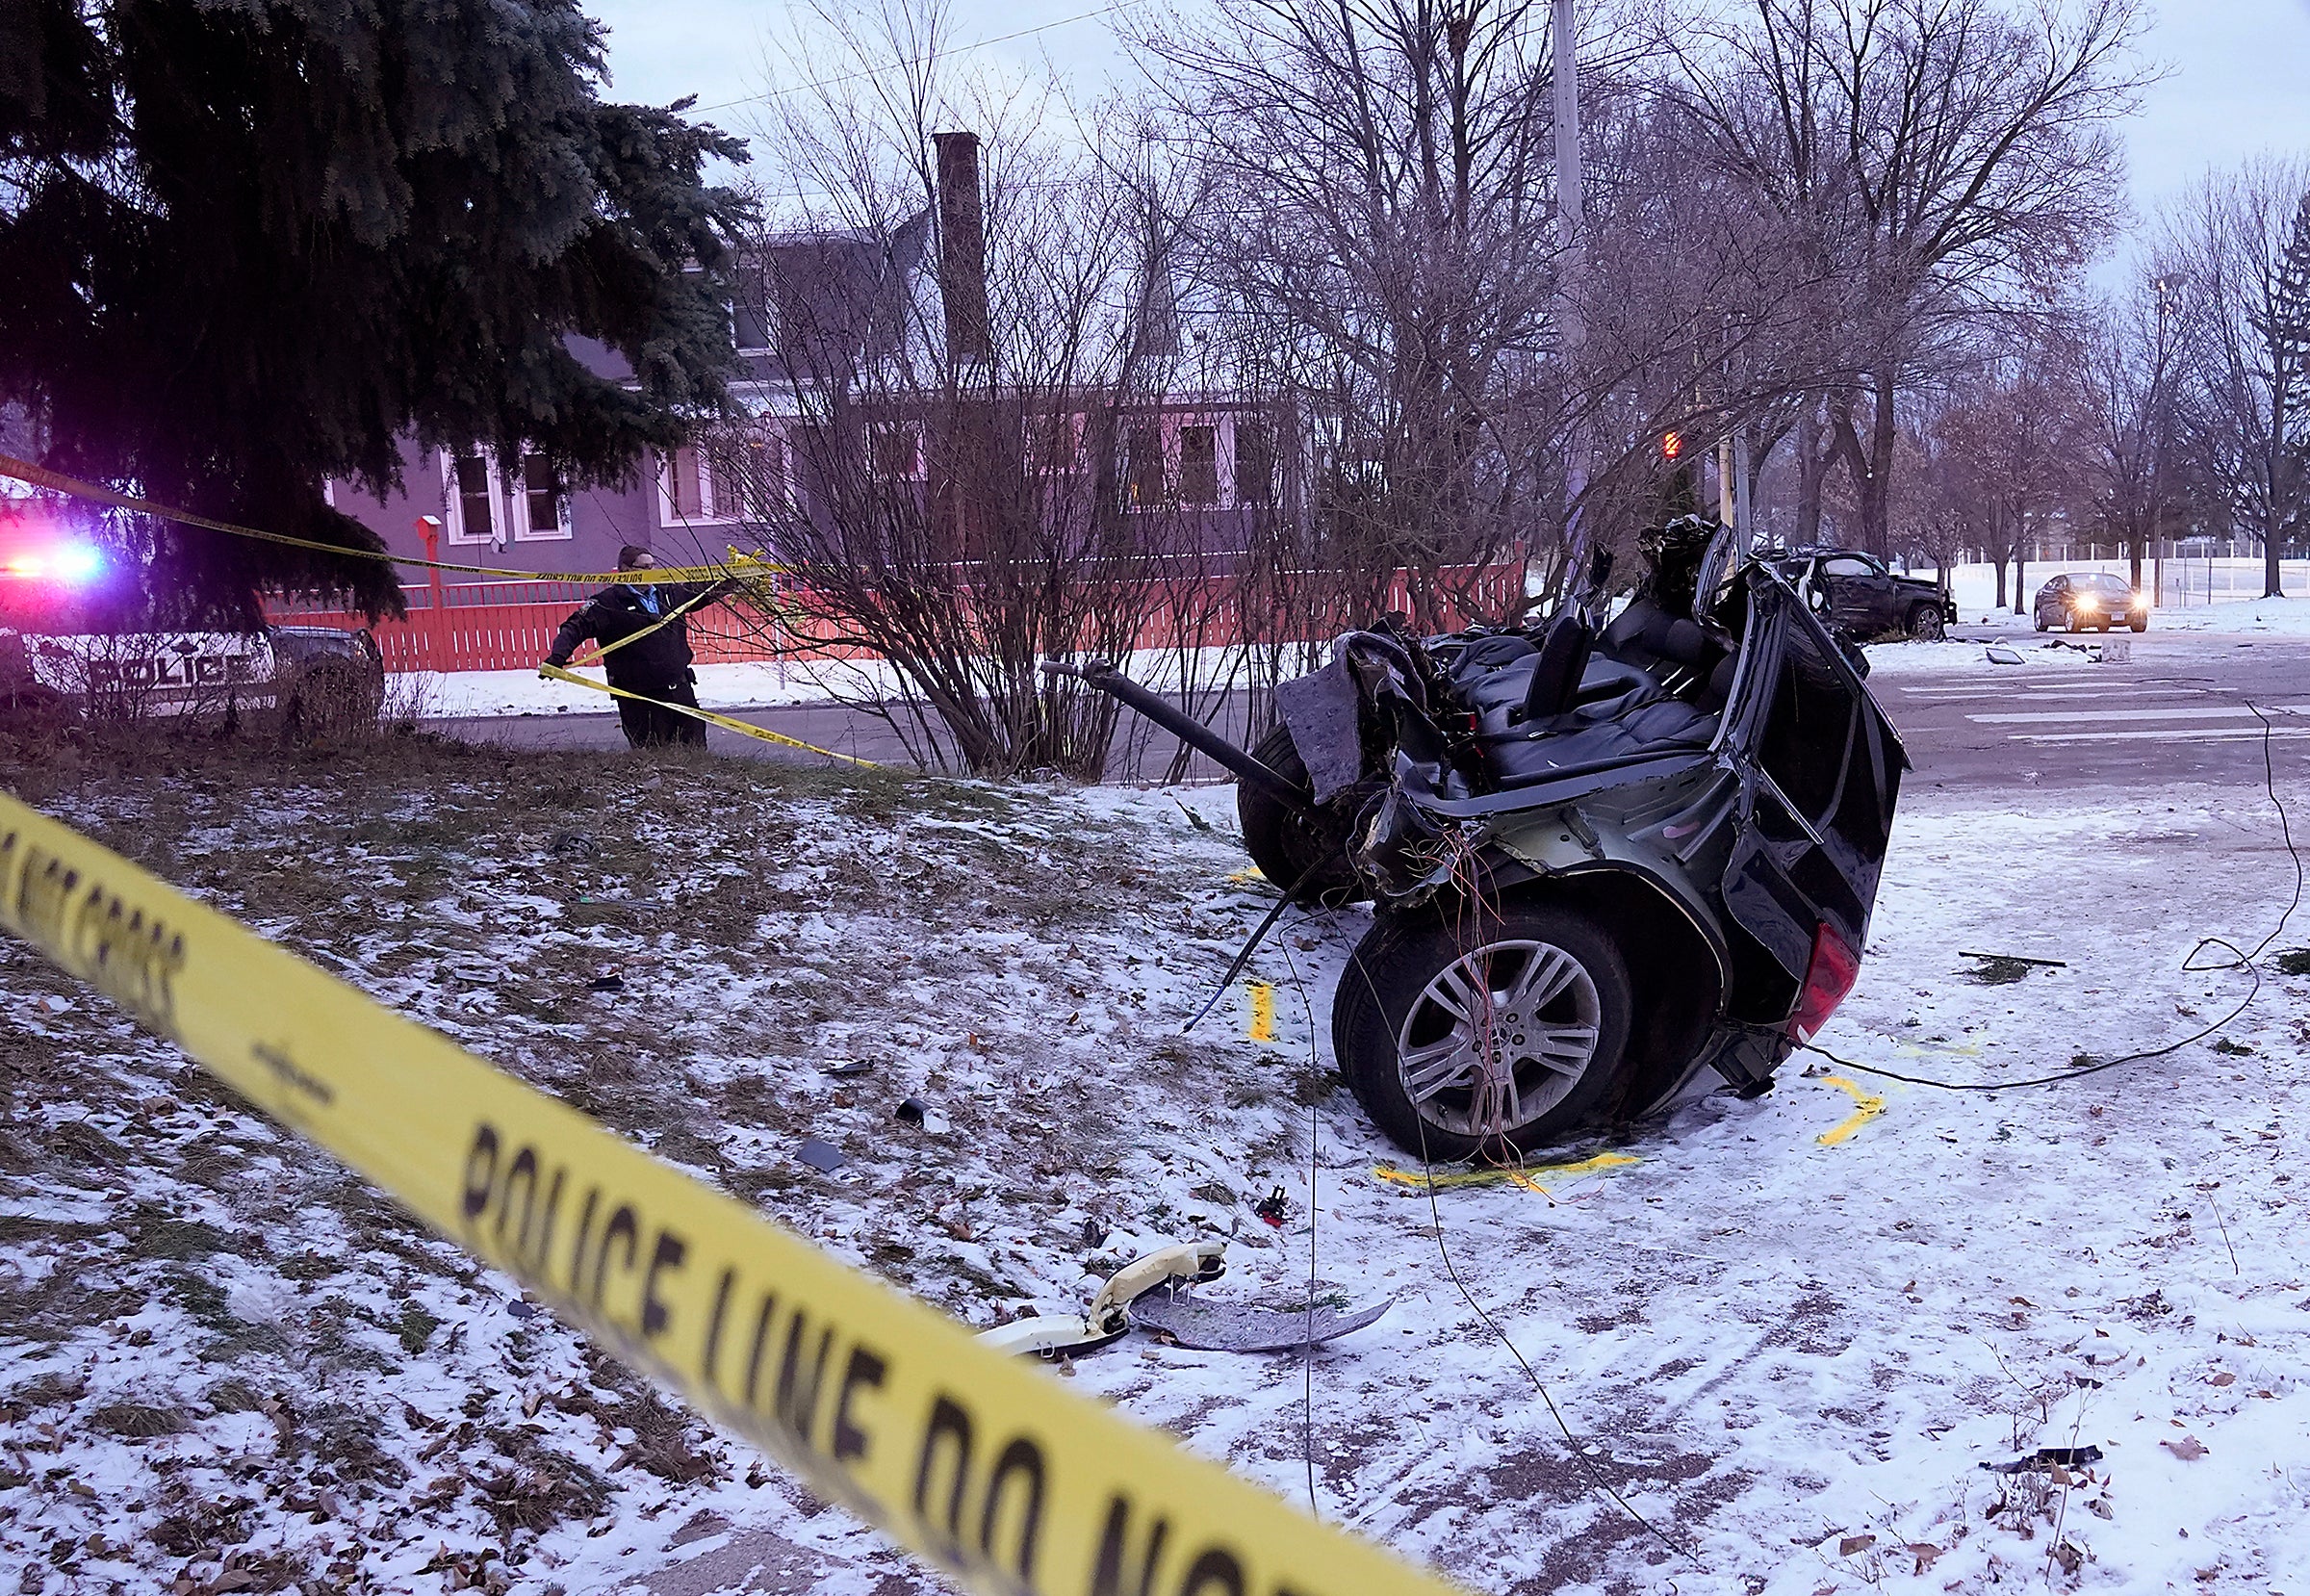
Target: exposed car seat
[[1556, 670], [1658, 641], [1576, 699]]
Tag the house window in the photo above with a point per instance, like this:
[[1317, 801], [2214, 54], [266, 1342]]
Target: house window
[[1143, 466], [471, 494], [1052, 443], [745, 477], [895, 451], [684, 487], [1254, 463], [730, 478], [751, 324], [542, 511], [1199, 465]]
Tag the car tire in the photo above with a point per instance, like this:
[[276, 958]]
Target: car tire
[[2042, 623], [35, 706], [1283, 841], [2140, 623], [1927, 623], [1387, 1008]]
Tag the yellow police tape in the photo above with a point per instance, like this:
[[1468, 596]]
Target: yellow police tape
[[56, 481], [725, 722], [978, 1461]]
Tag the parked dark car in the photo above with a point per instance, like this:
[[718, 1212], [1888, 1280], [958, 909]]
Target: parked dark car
[[2091, 599], [1864, 600], [1601, 861]]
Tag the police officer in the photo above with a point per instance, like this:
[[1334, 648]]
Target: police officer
[[656, 666]]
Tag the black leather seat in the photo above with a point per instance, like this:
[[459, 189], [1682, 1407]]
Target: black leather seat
[[1652, 638], [1575, 699], [1664, 725]]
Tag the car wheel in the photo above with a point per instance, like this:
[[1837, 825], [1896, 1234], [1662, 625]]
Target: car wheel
[[35, 706], [2042, 621], [1926, 622], [1496, 1041], [333, 698], [1284, 840], [2140, 623]]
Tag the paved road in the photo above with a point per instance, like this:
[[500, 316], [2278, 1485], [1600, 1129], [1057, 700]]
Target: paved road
[[2180, 710]]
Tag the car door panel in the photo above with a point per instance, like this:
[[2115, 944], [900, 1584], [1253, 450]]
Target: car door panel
[[1820, 771]]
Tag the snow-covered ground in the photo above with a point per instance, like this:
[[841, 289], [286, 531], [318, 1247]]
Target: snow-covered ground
[[228, 1367], [435, 694], [439, 694]]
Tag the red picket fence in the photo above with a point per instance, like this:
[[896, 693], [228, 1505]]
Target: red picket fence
[[501, 625]]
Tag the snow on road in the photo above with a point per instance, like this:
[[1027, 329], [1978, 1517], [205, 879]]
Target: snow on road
[[1788, 1336]]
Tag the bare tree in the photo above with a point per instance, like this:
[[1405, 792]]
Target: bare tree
[[2238, 248], [1375, 229], [2127, 382], [965, 458], [1949, 161]]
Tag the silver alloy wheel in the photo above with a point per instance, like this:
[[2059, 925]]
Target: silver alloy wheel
[[1498, 1038]]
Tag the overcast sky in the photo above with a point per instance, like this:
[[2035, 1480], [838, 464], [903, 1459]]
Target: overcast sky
[[2240, 79]]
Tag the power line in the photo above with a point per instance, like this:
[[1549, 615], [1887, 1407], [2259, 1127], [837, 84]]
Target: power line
[[911, 60]]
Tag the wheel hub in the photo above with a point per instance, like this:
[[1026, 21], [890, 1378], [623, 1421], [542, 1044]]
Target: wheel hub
[[1498, 1038]]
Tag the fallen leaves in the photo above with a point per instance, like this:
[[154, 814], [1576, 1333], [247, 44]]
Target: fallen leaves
[[2188, 1448]]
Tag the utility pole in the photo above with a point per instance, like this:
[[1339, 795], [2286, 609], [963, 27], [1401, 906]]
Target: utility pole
[[2165, 286], [1571, 248]]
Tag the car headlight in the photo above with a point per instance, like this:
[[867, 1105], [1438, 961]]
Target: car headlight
[[2086, 601], [2139, 603]]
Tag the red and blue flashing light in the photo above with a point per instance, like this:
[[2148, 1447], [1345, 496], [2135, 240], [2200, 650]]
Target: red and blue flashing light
[[71, 563]]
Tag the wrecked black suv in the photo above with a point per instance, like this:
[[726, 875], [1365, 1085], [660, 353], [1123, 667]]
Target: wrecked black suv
[[1601, 859]]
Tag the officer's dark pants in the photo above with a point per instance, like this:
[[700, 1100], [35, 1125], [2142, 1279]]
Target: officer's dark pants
[[648, 726]]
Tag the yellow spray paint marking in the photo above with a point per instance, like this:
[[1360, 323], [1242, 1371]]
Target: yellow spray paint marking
[[1869, 1109], [1529, 1179], [1927, 1050], [1263, 1010]]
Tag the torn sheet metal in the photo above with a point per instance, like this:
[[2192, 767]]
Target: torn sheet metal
[[1209, 1326]]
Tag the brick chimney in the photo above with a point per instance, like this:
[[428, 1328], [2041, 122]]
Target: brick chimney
[[962, 247]]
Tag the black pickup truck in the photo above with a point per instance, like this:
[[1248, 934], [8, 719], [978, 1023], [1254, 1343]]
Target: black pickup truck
[[1858, 598]]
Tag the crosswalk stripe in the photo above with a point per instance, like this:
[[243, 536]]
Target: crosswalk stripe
[[2026, 694], [2058, 717], [2167, 734]]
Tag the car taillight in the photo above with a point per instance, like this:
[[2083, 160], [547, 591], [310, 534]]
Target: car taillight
[[1835, 966]]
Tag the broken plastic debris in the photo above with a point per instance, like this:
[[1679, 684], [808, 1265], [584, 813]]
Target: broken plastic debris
[[823, 1156], [848, 1068], [1094, 1233], [1274, 1208], [911, 1109], [606, 983], [2002, 657], [2048, 1457], [1108, 1318], [1239, 1327]]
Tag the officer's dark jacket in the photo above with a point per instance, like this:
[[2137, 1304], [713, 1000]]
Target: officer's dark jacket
[[657, 661]]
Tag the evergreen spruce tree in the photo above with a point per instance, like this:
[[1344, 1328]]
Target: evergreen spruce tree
[[246, 248]]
